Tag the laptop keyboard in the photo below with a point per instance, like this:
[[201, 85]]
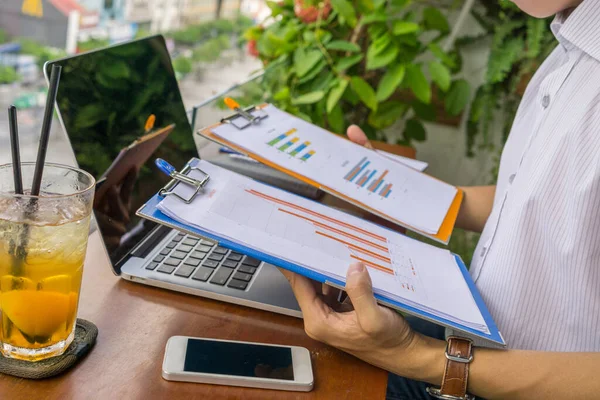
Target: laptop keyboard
[[192, 258]]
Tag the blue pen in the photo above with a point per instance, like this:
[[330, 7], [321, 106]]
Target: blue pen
[[226, 150], [165, 167]]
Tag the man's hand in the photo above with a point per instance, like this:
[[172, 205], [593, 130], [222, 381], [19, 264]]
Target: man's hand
[[357, 135], [375, 334]]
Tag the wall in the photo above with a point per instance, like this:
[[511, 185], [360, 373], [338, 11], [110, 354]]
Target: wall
[[50, 29]]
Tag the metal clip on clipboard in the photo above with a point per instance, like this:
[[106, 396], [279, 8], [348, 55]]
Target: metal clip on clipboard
[[243, 117], [181, 176]]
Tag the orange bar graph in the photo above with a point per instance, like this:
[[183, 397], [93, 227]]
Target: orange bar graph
[[330, 228], [373, 265], [374, 184], [354, 247], [316, 214]]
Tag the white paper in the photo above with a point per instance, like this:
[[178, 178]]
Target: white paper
[[409, 162], [412, 198], [325, 240]]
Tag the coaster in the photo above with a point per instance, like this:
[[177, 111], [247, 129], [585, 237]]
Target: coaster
[[85, 338]]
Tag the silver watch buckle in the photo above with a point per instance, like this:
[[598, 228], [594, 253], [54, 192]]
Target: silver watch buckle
[[438, 394], [458, 358]]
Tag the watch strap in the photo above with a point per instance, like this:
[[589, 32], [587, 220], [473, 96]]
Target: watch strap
[[459, 354]]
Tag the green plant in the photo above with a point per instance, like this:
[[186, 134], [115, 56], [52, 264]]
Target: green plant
[[519, 44], [92, 44], [182, 65], [8, 75], [39, 51], [195, 34], [368, 62], [3, 36]]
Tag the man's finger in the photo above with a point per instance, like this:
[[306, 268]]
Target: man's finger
[[358, 136], [304, 290], [360, 292]]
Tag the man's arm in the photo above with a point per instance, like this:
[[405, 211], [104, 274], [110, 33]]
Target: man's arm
[[380, 336], [512, 374], [476, 207]]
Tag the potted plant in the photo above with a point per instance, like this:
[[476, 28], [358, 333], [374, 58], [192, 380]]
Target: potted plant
[[368, 62]]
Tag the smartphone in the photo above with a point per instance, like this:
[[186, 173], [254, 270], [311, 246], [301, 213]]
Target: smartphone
[[234, 363]]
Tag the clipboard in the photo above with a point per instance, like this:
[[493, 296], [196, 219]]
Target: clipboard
[[243, 118], [133, 156], [151, 212]]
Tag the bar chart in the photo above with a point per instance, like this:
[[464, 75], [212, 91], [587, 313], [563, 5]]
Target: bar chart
[[367, 178], [289, 144]]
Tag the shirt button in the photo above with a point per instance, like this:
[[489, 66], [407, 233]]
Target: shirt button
[[511, 178], [546, 101], [483, 250]]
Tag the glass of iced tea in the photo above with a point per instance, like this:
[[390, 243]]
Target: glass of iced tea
[[43, 240]]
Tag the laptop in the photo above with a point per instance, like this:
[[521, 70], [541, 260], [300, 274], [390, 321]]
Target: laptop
[[104, 101]]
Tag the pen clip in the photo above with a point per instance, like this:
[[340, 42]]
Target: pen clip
[[177, 177]]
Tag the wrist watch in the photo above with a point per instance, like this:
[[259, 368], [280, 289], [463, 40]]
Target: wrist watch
[[459, 354]]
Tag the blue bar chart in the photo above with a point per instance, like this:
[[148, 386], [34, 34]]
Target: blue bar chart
[[365, 178]]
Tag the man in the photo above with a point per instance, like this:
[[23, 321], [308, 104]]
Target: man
[[537, 265]]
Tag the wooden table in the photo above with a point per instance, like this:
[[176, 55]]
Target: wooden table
[[135, 322]]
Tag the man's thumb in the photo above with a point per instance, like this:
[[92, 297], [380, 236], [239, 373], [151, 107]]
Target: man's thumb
[[360, 290]]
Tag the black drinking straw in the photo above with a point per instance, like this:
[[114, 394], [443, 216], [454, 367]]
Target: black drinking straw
[[14, 146], [45, 136], [31, 207]]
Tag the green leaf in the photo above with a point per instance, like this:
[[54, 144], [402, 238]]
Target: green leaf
[[364, 91], [309, 98], [383, 59], [458, 97], [304, 61], [343, 45], [365, 6], [434, 20], [376, 17], [415, 130], [282, 95], [347, 62], [346, 10], [416, 81], [502, 59], [324, 36], [404, 28], [351, 97], [336, 94], [440, 75], [387, 114], [390, 81], [313, 72], [535, 35], [336, 119], [424, 111], [441, 55], [380, 44], [400, 3]]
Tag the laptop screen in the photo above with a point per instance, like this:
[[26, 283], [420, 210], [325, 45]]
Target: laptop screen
[[105, 99]]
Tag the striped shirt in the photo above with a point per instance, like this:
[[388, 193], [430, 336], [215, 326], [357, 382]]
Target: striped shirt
[[537, 264]]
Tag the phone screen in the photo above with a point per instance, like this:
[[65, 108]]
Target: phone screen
[[238, 359]]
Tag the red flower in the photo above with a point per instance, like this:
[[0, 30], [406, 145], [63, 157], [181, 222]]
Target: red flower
[[310, 14], [252, 50]]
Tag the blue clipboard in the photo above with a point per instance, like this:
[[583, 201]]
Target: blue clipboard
[[150, 211]]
